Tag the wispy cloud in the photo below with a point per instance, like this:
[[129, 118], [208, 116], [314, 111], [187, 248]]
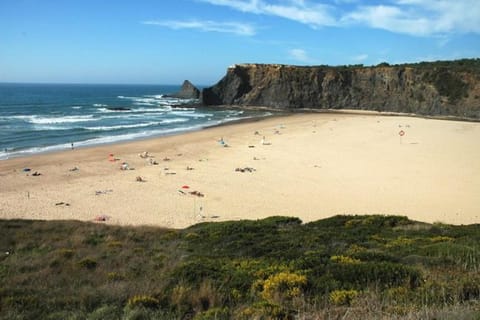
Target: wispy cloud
[[299, 55], [420, 17], [412, 17], [314, 15], [237, 28], [360, 57]]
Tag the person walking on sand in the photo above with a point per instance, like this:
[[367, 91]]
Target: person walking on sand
[[264, 142]]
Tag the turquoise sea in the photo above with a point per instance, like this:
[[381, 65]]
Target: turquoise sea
[[37, 118]]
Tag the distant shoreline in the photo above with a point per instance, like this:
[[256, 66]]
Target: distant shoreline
[[278, 113]]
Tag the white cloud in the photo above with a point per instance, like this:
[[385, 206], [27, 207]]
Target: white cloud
[[412, 17], [252, 6], [315, 15], [360, 57], [299, 55], [389, 18], [237, 28], [420, 17]]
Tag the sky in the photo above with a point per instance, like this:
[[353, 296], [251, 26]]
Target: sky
[[168, 41]]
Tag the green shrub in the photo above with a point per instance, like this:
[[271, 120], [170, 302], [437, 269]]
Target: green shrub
[[114, 244], [66, 253], [115, 276], [109, 312], [265, 269], [88, 263], [344, 260], [342, 297], [265, 310], [94, 238], [213, 314], [144, 301], [383, 274]]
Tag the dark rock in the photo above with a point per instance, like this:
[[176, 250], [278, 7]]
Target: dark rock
[[444, 88], [118, 108], [188, 91]]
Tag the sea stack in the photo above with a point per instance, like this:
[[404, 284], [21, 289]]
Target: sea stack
[[188, 91]]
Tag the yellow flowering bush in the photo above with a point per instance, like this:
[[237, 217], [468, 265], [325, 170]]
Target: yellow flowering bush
[[343, 297], [441, 239], [143, 301], [283, 285], [400, 242], [344, 260], [115, 276]]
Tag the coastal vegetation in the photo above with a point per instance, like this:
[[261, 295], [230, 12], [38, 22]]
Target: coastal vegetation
[[343, 267]]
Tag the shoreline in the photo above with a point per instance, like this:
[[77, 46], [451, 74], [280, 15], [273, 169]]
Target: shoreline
[[314, 165], [66, 149], [276, 113]]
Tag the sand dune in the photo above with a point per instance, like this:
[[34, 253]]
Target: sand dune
[[311, 166]]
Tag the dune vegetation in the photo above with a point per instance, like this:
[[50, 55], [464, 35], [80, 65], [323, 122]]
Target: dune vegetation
[[343, 267]]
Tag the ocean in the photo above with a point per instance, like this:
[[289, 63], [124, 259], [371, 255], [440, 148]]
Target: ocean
[[39, 118]]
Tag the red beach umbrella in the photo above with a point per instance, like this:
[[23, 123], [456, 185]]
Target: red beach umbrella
[[185, 187]]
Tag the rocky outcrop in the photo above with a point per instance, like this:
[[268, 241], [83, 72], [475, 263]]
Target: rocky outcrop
[[187, 91], [437, 88]]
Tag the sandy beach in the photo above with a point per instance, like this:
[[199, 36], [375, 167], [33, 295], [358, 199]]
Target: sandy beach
[[310, 166]]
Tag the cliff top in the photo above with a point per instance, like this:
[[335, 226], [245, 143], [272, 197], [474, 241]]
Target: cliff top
[[472, 64]]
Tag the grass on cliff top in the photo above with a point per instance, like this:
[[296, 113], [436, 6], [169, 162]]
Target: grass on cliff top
[[353, 267]]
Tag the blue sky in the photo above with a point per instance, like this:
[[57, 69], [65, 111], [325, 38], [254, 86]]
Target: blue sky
[[167, 41]]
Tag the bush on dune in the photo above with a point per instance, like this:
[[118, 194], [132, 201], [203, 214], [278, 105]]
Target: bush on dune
[[274, 268]]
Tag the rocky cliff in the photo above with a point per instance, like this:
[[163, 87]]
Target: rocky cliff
[[446, 88]]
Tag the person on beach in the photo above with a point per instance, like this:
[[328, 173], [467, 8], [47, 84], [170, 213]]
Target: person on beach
[[222, 142], [264, 142], [72, 145]]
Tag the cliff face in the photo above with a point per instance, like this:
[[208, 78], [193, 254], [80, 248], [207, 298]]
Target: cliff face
[[446, 88]]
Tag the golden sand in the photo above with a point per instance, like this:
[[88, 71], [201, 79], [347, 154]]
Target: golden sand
[[310, 166]]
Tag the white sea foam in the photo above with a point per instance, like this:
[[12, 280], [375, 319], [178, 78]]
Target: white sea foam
[[4, 155], [156, 96], [192, 114], [122, 126], [133, 136], [34, 150], [41, 127], [105, 110], [152, 109], [17, 117], [135, 110], [174, 120], [183, 109], [144, 104], [99, 105], [150, 101], [77, 107], [157, 100], [136, 125], [65, 119]]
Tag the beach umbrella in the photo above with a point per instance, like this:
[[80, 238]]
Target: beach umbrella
[[185, 187]]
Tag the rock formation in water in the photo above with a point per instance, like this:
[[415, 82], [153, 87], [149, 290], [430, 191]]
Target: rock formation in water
[[187, 91], [443, 88]]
